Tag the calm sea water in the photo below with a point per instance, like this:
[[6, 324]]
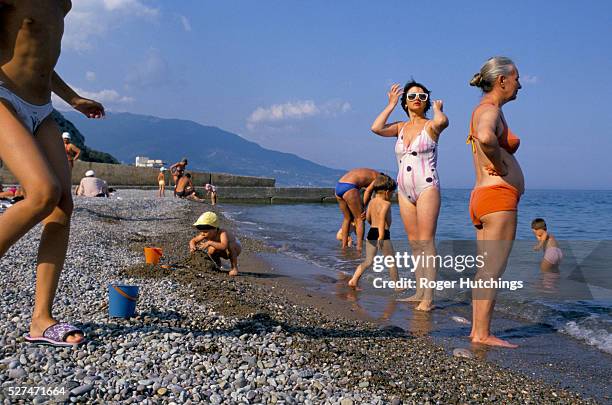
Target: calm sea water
[[579, 219]]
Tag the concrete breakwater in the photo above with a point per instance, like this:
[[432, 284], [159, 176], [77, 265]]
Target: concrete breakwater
[[231, 188], [136, 177]]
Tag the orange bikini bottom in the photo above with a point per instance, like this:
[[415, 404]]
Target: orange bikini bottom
[[487, 199]]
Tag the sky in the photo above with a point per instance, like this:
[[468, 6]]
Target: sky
[[310, 77]]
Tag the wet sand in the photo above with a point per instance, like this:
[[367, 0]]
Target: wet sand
[[333, 327]]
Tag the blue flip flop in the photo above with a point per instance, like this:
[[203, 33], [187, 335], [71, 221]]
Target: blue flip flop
[[56, 334]]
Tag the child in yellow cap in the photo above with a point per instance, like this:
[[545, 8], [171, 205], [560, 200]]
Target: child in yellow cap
[[218, 243]]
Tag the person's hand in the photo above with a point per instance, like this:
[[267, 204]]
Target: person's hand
[[438, 105], [363, 215], [394, 94], [192, 249], [90, 108]]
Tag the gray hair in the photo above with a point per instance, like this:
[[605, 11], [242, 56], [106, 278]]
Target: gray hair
[[490, 71]]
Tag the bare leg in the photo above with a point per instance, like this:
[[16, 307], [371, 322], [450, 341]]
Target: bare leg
[[371, 250], [235, 250], [346, 221], [408, 213], [498, 233], [393, 273], [353, 200], [47, 185], [428, 209]]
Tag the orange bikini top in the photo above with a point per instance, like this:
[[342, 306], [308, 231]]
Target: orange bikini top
[[508, 140]]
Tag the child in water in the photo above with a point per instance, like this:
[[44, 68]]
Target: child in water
[[218, 243], [552, 253], [378, 215], [351, 232]]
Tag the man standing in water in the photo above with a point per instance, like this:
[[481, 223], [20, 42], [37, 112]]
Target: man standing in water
[[31, 148]]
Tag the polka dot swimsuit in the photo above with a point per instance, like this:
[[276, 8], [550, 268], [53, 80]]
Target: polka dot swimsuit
[[417, 165]]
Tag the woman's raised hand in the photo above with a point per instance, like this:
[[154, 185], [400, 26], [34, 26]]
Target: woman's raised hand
[[394, 94], [438, 105]]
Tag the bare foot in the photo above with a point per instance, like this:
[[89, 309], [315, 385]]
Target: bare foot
[[425, 306], [37, 328], [353, 283], [399, 290], [493, 341], [233, 272], [413, 298]]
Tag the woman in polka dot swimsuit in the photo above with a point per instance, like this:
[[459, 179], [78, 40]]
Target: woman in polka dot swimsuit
[[416, 150]]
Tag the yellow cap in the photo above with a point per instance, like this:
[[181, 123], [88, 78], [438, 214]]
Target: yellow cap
[[208, 218]]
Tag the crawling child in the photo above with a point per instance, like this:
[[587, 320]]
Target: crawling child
[[552, 252], [217, 242], [378, 215]]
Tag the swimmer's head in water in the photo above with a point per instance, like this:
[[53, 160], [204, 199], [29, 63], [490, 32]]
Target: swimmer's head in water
[[415, 87], [538, 223]]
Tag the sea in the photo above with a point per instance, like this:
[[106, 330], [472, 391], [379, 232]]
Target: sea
[[571, 309]]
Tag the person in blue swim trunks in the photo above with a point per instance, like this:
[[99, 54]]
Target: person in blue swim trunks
[[350, 202]]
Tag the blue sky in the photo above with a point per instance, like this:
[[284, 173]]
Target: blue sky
[[310, 77]]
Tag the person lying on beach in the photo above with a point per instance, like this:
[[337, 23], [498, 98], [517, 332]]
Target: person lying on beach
[[351, 231], [379, 216], [350, 203], [552, 252], [8, 193], [217, 242], [185, 189]]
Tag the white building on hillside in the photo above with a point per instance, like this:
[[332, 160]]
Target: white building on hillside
[[144, 161]]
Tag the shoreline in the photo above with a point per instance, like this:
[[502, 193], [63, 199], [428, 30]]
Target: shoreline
[[253, 265], [201, 336]]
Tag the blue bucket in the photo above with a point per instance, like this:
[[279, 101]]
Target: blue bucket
[[122, 300]]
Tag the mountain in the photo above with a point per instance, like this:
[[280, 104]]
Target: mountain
[[126, 136]]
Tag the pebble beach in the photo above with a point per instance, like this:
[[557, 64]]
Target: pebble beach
[[202, 337]]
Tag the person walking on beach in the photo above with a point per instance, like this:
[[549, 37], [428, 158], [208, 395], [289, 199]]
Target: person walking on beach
[[30, 147], [161, 182], [499, 185], [350, 203], [378, 215], [416, 150], [72, 151]]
